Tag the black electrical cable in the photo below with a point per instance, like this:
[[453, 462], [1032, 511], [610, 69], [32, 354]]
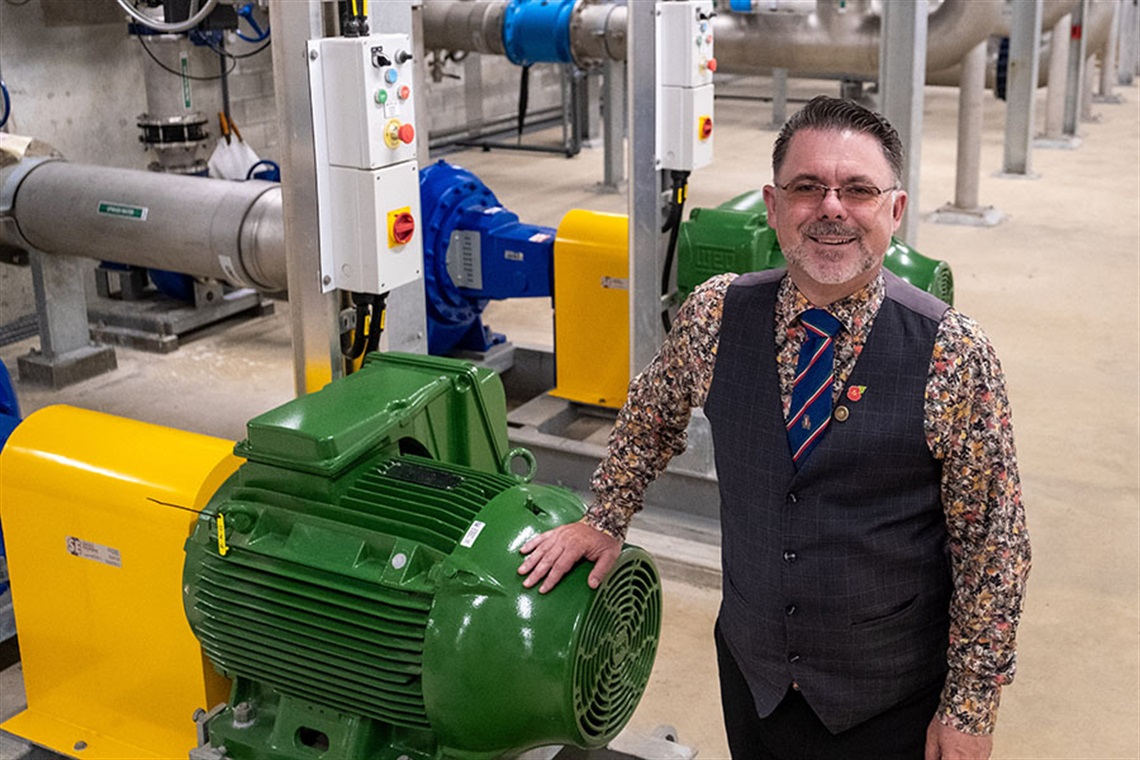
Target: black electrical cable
[[524, 97], [363, 303], [163, 66], [234, 56], [376, 324], [225, 77], [673, 226]]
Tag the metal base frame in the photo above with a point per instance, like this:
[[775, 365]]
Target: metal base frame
[[568, 441], [156, 323]]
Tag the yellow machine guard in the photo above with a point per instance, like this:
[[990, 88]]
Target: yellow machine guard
[[591, 308], [95, 512]]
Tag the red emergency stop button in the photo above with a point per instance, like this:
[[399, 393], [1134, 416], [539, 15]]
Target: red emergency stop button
[[711, 65], [401, 226], [407, 133], [704, 127]]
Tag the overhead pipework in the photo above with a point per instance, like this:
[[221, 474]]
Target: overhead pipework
[[832, 39]]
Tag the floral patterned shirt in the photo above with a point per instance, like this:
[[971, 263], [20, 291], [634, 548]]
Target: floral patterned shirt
[[967, 423]]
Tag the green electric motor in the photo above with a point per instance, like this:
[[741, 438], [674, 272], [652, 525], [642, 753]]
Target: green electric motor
[[357, 579], [735, 237]]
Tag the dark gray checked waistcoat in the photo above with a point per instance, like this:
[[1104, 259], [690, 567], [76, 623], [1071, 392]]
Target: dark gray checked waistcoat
[[836, 577]]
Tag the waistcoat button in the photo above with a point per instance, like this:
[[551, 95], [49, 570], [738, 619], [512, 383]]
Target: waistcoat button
[[793, 658], [792, 498], [789, 556], [790, 610]]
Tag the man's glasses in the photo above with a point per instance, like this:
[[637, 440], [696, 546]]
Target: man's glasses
[[851, 195]]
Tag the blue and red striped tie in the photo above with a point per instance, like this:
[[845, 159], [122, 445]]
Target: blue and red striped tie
[[810, 413]]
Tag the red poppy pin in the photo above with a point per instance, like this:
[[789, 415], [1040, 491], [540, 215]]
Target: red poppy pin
[[855, 392]]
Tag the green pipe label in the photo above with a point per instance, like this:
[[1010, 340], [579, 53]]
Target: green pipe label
[[185, 61], [123, 210]]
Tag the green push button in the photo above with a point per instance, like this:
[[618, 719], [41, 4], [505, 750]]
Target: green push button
[[381, 96]]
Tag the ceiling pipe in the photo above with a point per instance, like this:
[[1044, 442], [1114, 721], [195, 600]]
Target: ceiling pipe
[[834, 39], [1097, 30]]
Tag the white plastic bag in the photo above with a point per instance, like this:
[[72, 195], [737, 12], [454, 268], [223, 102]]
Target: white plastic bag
[[232, 158]]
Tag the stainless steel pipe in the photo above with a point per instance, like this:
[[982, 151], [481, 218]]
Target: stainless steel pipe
[[835, 39], [230, 231]]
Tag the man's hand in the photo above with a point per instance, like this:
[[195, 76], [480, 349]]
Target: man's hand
[[945, 743], [554, 553]]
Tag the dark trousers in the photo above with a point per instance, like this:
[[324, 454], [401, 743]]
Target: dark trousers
[[793, 732]]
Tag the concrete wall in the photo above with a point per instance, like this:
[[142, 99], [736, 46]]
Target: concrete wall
[[77, 82]]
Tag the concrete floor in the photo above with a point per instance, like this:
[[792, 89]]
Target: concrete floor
[[1057, 288]]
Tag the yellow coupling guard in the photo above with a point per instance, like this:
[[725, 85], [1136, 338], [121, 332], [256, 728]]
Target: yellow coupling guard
[[95, 512]]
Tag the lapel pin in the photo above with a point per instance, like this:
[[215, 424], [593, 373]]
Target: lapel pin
[[855, 392]]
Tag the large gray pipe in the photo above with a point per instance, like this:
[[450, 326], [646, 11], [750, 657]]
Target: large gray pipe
[[835, 39], [229, 231]]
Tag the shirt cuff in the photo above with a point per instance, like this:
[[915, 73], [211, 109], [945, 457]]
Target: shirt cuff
[[970, 706], [609, 519]]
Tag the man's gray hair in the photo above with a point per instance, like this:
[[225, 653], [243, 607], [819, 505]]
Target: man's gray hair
[[835, 114]]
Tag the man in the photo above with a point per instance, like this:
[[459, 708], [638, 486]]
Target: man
[[873, 540]]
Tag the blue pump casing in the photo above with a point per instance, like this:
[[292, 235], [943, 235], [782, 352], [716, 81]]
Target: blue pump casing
[[475, 251], [538, 31]]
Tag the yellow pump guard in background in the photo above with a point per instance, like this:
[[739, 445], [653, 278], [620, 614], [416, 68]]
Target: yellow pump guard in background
[[95, 511], [591, 308]]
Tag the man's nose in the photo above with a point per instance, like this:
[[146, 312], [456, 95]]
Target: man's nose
[[831, 206]]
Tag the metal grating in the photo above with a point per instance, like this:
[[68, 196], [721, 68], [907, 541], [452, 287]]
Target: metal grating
[[616, 649]]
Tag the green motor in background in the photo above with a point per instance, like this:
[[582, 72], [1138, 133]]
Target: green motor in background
[[357, 579], [735, 237]]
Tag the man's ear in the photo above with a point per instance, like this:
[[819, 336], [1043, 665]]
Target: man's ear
[[770, 203], [898, 207]]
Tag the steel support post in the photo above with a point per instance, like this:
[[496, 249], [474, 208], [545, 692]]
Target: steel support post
[[66, 353], [971, 91], [779, 98], [646, 243], [314, 315], [1054, 135], [406, 323], [1128, 52], [1108, 60], [613, 112], [902, 77], [1021, 86], [1075, 79]]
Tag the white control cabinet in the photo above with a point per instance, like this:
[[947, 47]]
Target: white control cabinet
[[685, 67], [364, 135]]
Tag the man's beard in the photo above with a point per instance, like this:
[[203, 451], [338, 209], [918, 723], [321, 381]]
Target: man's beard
[[830, 267]]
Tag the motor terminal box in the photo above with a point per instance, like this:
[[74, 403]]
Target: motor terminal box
[[364, 137], [685, 67]]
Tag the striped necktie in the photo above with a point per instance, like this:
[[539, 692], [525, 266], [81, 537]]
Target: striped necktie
[[810, 413]]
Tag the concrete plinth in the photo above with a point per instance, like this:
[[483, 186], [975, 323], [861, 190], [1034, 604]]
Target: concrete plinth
[[985, 216], [68, 368]]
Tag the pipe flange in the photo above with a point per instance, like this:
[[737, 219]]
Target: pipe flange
[[11, 177]]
